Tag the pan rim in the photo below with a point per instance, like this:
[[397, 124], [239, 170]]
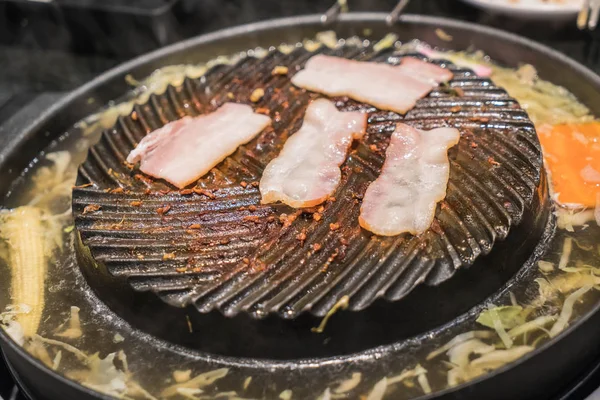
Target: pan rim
[[375, 17]]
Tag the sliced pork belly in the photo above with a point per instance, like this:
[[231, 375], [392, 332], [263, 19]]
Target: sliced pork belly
[[307, 171], [424, 71], [413, 180], [387, 87], [184, 150]]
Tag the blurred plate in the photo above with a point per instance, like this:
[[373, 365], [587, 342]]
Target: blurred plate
[[531, 9]]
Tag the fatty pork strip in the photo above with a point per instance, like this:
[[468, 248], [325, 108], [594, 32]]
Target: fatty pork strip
[[413, 180], [387, 87], [184, 150], [307, 171]]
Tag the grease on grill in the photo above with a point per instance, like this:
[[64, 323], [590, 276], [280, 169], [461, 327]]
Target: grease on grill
[[272, 258]]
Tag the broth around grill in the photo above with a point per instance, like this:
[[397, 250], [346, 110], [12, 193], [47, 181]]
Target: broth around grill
[[109, 357]]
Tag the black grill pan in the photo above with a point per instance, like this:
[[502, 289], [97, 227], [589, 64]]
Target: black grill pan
[[217, 247]]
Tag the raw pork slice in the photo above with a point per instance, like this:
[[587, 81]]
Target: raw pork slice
[[184, 150], [307, 171], [387, 87], [413, 180]]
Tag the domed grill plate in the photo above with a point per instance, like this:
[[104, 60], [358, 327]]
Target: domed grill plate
[[215, 246]]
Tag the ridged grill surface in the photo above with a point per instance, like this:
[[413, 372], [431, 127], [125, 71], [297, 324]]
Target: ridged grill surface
[[218, 247]]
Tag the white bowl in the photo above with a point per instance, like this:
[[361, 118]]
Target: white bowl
[[531, 9]]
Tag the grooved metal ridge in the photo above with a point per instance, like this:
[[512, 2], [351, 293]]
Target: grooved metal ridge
[[216, 247]]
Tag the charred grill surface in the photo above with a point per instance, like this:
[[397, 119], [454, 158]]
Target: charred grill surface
[[215, 246]]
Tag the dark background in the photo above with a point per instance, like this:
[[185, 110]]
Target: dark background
[[55, 46], [59, 45]]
